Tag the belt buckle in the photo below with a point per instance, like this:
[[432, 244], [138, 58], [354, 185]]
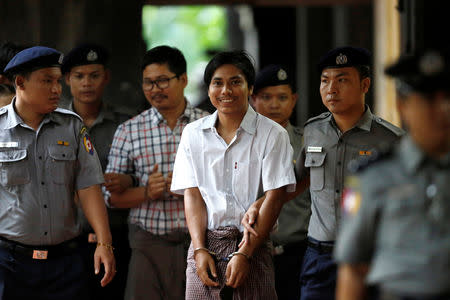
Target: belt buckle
[[40, 254]]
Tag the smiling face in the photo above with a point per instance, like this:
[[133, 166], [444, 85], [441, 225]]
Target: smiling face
[[40, 91], [164, 99], [275, 102], [343, 91], [229, 91], [87, 83]]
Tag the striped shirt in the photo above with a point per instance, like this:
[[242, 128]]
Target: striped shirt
[[138, 145]]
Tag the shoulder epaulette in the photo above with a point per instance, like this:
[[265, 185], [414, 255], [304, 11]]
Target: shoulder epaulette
[[396, 130], [361, 163], [3, 110], [319, 117], [67, 112]]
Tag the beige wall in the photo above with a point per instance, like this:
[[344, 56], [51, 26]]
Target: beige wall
[[387, 50]]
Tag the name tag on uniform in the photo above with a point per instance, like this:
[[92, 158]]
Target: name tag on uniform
[[40, 254], [9, 144], [314, 149]]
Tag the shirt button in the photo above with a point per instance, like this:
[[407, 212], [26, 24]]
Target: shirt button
[[40, 157], [45, 205], [228, 170], [337, 191], [42, 183], [45, 233], [338, 163]]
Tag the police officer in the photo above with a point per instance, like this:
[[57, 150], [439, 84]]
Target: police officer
[[397, 235], [46, 157], [274, 96], [86, 73], [347, 131]]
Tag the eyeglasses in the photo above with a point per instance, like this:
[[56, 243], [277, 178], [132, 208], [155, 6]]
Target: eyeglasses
[[162, 83]]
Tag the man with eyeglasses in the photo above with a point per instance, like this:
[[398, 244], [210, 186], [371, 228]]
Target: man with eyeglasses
[[145, 147]]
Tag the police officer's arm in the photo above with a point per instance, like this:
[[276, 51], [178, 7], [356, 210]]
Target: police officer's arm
[[238, 267], [196, 219], [91, 200], [350, 281]]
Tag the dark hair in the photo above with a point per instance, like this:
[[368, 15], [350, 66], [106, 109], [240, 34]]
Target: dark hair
[[238, 58], [7, 51], [364, 71], [165, 55]]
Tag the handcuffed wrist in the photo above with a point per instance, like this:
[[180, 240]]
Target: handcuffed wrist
[[203, 249], [239, 253]]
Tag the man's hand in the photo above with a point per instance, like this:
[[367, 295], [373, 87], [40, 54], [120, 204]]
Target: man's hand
[[156, 184], [105, 256], [249, 220], [237, 271], [117, 182], [206, 267]]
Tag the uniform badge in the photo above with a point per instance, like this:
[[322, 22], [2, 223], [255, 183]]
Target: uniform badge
[[341, 59], [92, 56], [351, 197], [365, 153], [88, 144], [62, 143], [281, 75], [314, 149]]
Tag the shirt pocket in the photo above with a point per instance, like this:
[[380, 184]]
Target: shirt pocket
[[62, 164], [14, 169], [315, 163]]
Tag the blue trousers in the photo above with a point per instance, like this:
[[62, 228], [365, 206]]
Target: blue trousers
[[318, 275], [51, 279]]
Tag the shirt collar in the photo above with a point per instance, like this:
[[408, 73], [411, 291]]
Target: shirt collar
[[364, 123], [410, 154], [188, 113], [14, 119], [248, 123], [105, 113]]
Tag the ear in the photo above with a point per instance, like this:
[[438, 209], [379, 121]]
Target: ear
[[107, 75], [184, 79], [67, 78], [20, 82], [294, 99], [365, 84], [250, 92]]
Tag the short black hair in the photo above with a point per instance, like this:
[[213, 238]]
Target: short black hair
[[171, 56], [238, 58], [6, 89]]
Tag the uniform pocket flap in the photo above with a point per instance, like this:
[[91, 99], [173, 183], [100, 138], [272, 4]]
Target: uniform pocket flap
[[59, 152], [12, 155], [314, 159]]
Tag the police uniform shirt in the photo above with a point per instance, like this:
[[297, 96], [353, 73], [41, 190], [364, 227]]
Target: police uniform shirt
[[102, 130], [294, 216], [326, 153], [402, 228], [40, 171]]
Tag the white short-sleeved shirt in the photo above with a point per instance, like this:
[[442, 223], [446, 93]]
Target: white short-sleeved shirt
[[231, 177]]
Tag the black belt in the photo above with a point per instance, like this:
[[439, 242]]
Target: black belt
[[41, 252], [322, 247]]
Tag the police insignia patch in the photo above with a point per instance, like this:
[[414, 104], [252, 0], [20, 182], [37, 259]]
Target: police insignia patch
[[282, 75], [341, 59], [88, 144], [92, 56]]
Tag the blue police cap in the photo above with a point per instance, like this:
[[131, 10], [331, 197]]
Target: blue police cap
[[85, 54], [424, 71], [273, 75], [342, 57], [32, 59]]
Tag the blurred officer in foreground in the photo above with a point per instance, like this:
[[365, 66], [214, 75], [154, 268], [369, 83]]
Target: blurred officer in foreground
[[86, 73], [274, 96], [46, 157], [397, 235]]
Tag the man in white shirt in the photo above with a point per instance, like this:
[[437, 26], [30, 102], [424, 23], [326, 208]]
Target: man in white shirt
[[224, 163]]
